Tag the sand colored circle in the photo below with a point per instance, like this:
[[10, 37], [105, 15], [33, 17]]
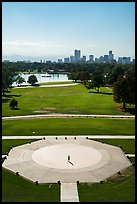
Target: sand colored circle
[[66, 156]]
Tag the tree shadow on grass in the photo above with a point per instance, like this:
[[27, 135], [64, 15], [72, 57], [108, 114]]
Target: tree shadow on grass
[[11, 95], [16, 108], [5, 100], [7, 91], [130, 110], [101, 93]]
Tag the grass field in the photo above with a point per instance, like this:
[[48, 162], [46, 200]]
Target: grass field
[[107, 192], [71, 100], [121, 189], [74, 99], [118, 189], [17, 189], [7, 144], [69, 126], [127, 145]]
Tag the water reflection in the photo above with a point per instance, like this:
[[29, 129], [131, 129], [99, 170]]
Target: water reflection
[[45, 78]]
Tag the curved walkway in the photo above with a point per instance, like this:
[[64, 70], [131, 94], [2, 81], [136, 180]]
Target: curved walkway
[[54, 115], [47, 86]]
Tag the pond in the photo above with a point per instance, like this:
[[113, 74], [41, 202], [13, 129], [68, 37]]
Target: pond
[[45, 78]]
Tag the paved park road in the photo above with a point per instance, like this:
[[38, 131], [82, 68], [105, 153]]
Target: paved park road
[[66, 116]]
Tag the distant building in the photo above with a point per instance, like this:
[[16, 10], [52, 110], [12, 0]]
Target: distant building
[[6, 61], [91, 58], [96, 60], [101, 59], [83, 59], [106, 59], [119, 60], [126, 60], [66, 60], [60, 61], [72, 59], [77, 54], [48, 61], [111, 56]]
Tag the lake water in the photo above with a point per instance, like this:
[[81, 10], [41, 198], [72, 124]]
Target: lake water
[[45, 78]]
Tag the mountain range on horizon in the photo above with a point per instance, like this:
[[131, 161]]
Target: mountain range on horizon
[[26, 58]]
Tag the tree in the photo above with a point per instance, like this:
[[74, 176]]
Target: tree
[[130, 75], [117, 71], [7, 79], [84, 76], [32, 79], [13, 103], [121, 91], [20, 80], [73, 76], [89, 85], [97, 80]]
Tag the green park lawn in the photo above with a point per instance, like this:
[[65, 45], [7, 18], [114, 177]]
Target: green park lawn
[[114, 190], [17, 189], [121, 189], [118, 189], [68, 126], [72, 100]]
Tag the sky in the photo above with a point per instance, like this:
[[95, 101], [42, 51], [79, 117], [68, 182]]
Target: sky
[[54, 30]]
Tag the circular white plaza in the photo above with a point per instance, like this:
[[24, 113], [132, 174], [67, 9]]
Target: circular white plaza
[[56, 156], [52, 160]]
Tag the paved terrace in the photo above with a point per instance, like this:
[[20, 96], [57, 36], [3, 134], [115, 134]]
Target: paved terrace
[[68, 187]]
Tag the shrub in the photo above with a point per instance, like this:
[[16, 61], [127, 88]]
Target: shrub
[[13, 103]]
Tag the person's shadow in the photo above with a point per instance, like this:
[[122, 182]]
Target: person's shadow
[[70, 162]]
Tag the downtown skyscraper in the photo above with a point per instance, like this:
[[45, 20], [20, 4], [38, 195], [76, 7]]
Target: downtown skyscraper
[[77, 54]]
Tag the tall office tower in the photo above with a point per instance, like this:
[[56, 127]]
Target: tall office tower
[[106, 58], [111, 56], [91, 58], [77, 55]]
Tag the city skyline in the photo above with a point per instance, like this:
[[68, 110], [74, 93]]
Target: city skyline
[[77, 57], [52, 30]]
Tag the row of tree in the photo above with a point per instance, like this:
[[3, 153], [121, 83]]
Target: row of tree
[[121, 77], [104, 68], [9, 77], [32, 79], [122, 80]]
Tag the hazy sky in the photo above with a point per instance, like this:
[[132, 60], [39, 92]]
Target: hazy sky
[[55, 29]]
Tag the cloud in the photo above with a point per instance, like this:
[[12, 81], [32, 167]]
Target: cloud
[[36, 44], [26, 48]]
